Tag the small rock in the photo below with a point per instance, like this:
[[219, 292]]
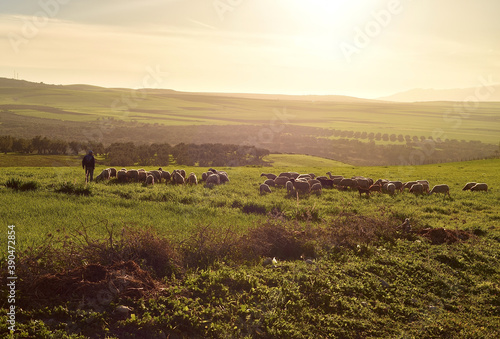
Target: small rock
[[122, 311]]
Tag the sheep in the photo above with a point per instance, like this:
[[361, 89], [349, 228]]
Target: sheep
[[479, 187], [150, 179], [166, 175], [289, 187], [156, 174], [312, 175], [313, 182], [264, 189], [178, 178], [381, 182], [346, 182], [316, 188], [212, 180], [408, 185], [223, 177], [191, 179], [334, 176], [142, 176], [104, 175], [281, 181], [365, 191], [132, 175], [375, 188], [269, 175], [325, 182], [112, 172], [363, 182], [204, 176], [417, 189], [183, 173], [301, 186], [398, 184], [121, 175], [391, 188], [285, 174], [270, 182], [440, 189], [305, 176], [468, 186]]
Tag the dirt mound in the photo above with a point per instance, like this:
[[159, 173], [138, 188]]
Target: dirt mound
[[439, 236], [95, 285]]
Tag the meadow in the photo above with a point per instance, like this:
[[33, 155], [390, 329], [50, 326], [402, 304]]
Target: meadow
[[83, 104], [363, 277]]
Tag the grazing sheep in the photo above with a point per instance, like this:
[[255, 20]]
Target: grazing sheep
[[440, 189], [112, 172], [121, 175], [104, 175], [317, 188], [363, 182], [178, 178], [284, 174], [212, 180], [156, 174], [325, 182], [365, 191], [313, 182], [166, 175], [133, 175], [304, 176], [183, 173], [417, 189], [334, 176], [346, 182], [142, 176], [426, 187], [301, 186], [479, 187], [381, 182], [191, 179], [289, 187], [398, 184], [269, 175], [204, 176], [264, 189], [150, 179], [408, 185], [269, 182], [468, 186], [281, 181], [391, 188], [375, 188], [223, 177]]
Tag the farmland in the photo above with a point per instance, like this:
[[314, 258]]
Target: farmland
[[366, 279]]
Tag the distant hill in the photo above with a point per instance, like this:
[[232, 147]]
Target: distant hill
[[459, 94], [14, 83]]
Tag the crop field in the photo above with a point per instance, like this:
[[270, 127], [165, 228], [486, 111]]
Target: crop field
[[453, 120], [342, 266]]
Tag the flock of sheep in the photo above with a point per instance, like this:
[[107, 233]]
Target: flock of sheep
[[310, 183], [178, 176]]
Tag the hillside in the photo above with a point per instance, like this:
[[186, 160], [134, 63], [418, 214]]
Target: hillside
[[349, 130], [483, 93]]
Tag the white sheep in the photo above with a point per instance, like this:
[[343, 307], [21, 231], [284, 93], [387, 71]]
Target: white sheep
[[263, 189], [479, 187], [150, 179], [445, 189], [317, 188], [191, 179]]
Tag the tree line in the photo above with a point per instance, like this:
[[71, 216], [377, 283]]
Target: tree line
[[130, 153]]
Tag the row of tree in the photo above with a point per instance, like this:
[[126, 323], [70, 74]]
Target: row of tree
[[129, 153]]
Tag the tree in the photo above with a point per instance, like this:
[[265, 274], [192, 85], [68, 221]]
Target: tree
[[6, 143]]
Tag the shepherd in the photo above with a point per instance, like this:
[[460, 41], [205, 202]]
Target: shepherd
[[88, 164]]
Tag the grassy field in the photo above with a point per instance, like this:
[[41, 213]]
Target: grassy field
[[86, 103], [366, 279]]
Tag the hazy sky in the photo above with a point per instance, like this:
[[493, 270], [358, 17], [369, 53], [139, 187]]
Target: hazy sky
[[348, 47]]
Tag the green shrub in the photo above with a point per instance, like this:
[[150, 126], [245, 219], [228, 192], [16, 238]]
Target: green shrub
[[18, 184], [70, 188]]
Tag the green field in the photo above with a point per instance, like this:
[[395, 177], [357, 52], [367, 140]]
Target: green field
[[366, 279], [164, 107]]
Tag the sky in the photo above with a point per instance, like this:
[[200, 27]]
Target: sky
[[368, 49]]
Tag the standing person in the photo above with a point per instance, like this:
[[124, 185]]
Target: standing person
[[88, 163]]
